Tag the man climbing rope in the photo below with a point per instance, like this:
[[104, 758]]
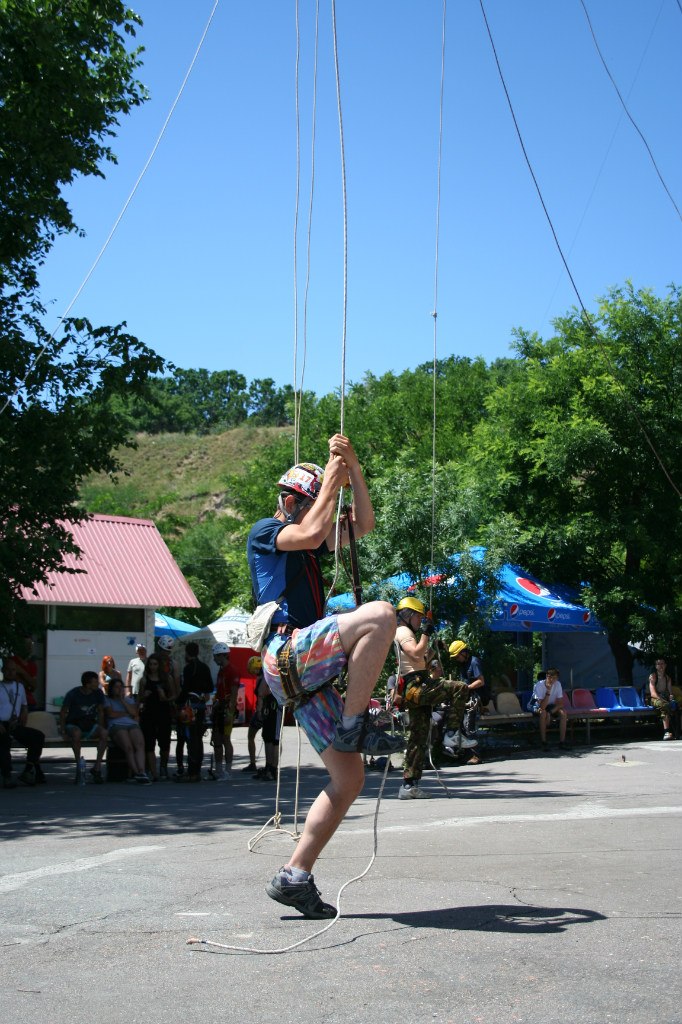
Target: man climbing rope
[[421, 693], [305, 650]]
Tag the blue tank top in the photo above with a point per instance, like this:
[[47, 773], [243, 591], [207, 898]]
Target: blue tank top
[[272, 571]]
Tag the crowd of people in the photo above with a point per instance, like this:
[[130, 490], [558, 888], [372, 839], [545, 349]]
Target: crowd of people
[[138, 716]]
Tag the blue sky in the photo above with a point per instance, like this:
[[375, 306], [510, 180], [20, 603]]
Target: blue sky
[[201, 267]]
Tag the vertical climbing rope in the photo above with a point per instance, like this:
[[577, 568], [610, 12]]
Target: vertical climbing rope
[[435, 299], [298, 192], [298, 382], [345, 220]]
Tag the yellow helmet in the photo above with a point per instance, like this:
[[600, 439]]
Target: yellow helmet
[[254, 665], [456, 647], [413, 604]]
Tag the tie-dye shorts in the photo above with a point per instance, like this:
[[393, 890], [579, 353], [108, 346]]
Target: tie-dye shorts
[[319, 658]]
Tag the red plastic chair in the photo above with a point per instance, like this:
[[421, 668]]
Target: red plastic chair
[[583, 700]]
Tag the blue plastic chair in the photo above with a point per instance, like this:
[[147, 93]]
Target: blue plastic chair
[[605, 697], [629, 698]]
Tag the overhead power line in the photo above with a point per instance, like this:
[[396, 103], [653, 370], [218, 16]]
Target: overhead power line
[[629, 115]]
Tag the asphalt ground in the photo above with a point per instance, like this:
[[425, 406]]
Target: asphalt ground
[[543, 888]]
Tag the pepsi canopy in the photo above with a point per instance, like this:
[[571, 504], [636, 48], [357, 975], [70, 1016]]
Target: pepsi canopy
[[522, 604]]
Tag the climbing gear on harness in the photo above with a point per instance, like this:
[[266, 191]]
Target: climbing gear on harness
[[413, 683], [288, 674], [302, 896]]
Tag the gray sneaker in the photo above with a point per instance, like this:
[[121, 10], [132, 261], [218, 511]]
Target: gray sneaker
[[365, 738], [302, 896]]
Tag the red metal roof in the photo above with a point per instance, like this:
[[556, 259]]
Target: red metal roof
[[126, 563]]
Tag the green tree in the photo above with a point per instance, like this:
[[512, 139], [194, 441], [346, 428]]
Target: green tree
[[66, 77], [563, 451], [202, 554]]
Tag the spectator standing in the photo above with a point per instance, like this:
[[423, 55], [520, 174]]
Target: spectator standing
[[27, 670], [224, 710], [108, 673], [271, 717], [136, 671], [255, 667], [470, 670], [13, 729], [197, 684], [82, 718], [661, 690], [548, 696], [156, 697]]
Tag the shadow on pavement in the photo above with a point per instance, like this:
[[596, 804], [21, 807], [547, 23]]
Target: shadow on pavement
[[164, 808], [520, 920]]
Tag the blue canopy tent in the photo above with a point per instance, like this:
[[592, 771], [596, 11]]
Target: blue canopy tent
[[523, 603], [166, 625]]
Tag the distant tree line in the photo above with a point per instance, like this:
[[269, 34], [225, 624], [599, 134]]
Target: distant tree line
[[204, 401]]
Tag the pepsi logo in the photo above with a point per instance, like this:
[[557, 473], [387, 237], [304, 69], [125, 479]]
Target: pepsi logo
[[532, 587], [551, 613], [587, 616], [513, 610]]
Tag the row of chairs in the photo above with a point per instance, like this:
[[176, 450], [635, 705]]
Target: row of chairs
[[604, 699]]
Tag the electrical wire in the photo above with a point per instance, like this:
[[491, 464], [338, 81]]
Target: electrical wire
[[602, 165], [587, 319], [629, 115]]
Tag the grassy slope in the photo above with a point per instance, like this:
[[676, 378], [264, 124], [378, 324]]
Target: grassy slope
[[175, 474]]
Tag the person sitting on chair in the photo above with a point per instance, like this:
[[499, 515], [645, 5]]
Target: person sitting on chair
[[13, 730], [548, 696], [82, 718]]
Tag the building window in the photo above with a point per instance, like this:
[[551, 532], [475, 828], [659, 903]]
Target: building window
[[86, 617]]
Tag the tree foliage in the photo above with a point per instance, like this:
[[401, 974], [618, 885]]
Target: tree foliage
[[66, 77], [583, 449]]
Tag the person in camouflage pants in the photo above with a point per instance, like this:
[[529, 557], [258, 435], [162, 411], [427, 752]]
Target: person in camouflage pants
[[420, 699]]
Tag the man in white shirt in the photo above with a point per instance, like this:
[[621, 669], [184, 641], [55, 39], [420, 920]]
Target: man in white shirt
[[135, 671], [549, 695], [13, 729]]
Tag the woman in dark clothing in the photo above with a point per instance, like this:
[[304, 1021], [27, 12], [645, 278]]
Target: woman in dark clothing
[[156, 715]]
